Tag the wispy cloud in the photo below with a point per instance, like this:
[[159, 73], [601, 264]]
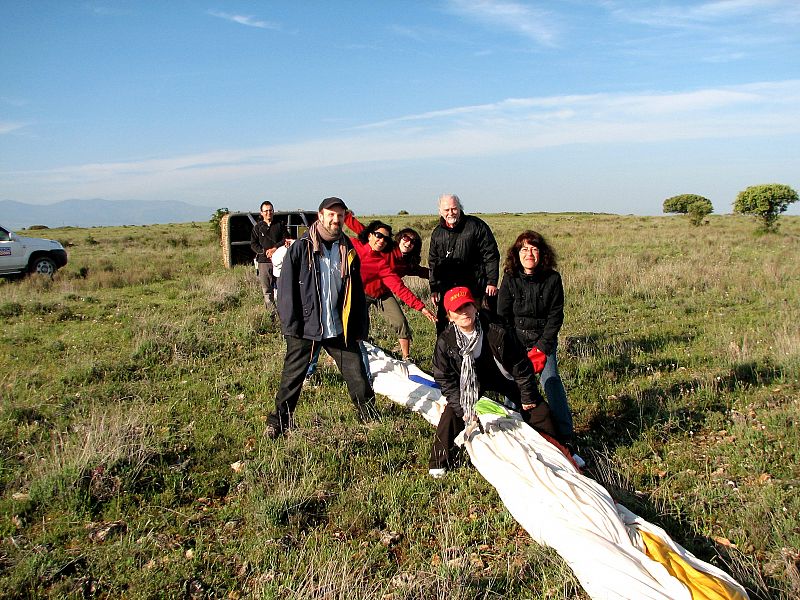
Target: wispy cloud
[[9, 126], [247, 20], [522, 19], [680, 15], [511, 125]]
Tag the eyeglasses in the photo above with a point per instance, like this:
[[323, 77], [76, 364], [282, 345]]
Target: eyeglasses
[[409, 239], [269, 210], [380, 236]]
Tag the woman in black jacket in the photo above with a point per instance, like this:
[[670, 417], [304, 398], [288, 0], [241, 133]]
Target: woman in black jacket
[[473, 356], [531, 299]]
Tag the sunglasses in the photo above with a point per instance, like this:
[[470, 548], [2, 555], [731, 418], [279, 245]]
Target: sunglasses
[[380, 236], [409, 239]]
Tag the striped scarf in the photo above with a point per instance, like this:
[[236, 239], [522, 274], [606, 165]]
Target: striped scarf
[[469, 379]]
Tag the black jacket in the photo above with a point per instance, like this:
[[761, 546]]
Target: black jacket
[[299, 295], [534, 306], [498, 343], [464, 255], [264, 237]]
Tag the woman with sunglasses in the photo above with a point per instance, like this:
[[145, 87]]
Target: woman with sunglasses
[[407, 254], [381, 282]]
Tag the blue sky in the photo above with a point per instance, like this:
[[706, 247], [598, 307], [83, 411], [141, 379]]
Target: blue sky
[[594, 105]]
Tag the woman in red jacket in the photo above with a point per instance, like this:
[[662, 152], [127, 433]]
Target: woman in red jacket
[[382, 283]]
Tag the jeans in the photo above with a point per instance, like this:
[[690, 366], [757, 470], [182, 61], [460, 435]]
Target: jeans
[[312, 365], [557, 398], [347, 359]]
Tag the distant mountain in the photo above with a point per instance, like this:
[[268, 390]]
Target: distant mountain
[[97, 212]]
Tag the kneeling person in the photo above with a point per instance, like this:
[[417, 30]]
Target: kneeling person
[[475, 355]]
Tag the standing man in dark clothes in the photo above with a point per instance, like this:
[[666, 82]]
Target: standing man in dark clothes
[[267, 236], [463, 252], [321, 302]]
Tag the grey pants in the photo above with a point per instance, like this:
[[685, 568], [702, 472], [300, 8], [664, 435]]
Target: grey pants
[[389, 307], [267, 281]]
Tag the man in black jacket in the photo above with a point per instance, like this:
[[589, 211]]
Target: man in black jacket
[[267, 236], [321, 302], [463, 252]]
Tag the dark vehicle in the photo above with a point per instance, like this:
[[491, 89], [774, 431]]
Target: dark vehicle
[[236, 228]]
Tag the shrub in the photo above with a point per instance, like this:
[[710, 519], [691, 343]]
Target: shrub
[[216, 219], [697, 207], [766, 202]]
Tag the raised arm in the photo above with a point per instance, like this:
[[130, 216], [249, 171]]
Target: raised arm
[[353, 223]]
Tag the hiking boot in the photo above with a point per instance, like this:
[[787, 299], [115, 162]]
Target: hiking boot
[[273, 432]]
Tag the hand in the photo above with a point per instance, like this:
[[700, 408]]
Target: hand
[[429, 315], [270, 252], [288, 242], [435, 297], [538, 359], [491, 290]]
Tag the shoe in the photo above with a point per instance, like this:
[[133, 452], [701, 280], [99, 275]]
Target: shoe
[[273, 432], [437, 473]]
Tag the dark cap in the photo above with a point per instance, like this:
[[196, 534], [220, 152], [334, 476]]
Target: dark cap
[[331, 202]]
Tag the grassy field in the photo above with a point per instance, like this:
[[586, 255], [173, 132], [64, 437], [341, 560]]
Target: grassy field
[[134, 389]]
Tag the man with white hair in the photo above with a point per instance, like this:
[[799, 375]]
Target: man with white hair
[[463, 252]]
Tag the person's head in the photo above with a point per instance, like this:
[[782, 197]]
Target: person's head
[[450, 209], [267, 210], [461, 308], [378, 235], [331, 215], [530, 252], [410, 244]]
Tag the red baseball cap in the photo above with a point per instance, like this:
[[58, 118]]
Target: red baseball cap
[[457, 297]]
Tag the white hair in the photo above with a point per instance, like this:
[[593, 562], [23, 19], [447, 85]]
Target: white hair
[[444, 197]]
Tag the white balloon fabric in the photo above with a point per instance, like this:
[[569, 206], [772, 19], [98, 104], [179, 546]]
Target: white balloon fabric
[[609, 548]]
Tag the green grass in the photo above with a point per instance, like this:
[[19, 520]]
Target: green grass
[[134, 382]]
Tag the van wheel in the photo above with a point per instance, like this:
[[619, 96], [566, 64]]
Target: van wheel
[[44, 265]]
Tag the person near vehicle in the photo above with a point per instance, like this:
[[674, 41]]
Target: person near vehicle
[[382, 285], [321, 302], [406, 255], [531, 300], [463, 252], [267, 236], [476, 354]]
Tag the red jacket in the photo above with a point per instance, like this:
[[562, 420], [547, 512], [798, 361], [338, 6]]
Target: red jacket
[[376, 271], [401, 266]]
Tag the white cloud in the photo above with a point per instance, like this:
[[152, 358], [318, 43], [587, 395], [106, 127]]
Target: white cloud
[[522, 19], [244, 20], [674, 15], [9, 126], [508, 126]]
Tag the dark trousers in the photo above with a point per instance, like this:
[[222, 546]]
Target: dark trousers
[[444, 453], [347, 358]]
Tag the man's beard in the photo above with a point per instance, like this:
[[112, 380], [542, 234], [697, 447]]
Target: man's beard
[[333, 229]]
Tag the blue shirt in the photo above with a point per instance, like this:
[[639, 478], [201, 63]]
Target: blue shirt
[[330, 279]]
